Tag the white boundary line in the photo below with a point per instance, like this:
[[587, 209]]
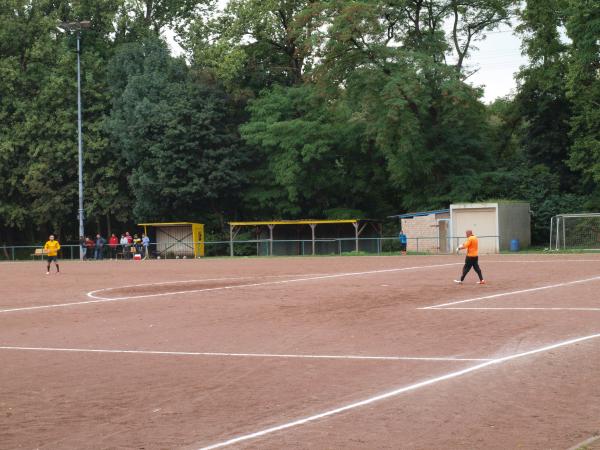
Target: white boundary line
[[584, 444], [394, 393], [98, 299], [251, 355], [522, 309], [539, 260], [504, 294]]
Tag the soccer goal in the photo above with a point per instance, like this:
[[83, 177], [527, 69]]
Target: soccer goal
[[575, 232]]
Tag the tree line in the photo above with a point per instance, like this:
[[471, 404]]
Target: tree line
[[290, 109]]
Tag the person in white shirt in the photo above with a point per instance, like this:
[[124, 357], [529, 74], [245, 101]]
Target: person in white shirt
[[145, 243], [124, 245]]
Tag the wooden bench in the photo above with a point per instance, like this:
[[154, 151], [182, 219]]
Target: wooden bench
[[39, 252]]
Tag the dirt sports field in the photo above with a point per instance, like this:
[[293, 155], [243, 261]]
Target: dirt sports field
[[301, 353]]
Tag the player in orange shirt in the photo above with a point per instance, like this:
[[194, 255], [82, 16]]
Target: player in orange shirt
[[472, 259], [51, 248]]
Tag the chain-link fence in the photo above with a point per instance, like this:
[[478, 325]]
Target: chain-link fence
[[257, 247]]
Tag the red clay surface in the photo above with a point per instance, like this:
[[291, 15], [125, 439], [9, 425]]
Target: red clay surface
[[298, 306]]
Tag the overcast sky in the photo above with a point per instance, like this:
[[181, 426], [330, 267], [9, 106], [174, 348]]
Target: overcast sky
[[498, 58]]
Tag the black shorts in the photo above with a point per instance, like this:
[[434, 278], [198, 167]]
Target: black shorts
[[52, 258], [402, 247]]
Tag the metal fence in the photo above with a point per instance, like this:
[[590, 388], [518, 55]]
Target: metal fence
[[257, 247]]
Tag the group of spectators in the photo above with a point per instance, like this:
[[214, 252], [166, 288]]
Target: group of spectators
[[127, 246]]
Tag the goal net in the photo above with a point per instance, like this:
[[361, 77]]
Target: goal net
[[575, 232]]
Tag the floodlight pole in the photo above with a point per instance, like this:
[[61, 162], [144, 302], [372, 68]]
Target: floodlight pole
[[80, 143], [77, 27]]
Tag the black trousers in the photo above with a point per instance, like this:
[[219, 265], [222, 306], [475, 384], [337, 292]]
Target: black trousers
[[471, 261]]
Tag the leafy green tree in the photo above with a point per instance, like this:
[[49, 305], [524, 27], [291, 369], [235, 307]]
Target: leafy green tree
[[583, 81], [37, 160], [40, 126], [425, 121], [268, 40], [173, 129], [315, 155], [541, 98], [137, 19]]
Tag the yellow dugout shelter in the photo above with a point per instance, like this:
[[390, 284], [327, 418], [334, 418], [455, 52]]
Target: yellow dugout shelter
[[176, 238]]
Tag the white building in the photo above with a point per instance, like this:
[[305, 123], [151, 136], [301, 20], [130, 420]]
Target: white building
[[495, 224]]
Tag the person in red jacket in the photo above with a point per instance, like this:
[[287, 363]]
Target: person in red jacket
[[113, 243], [89, 245]]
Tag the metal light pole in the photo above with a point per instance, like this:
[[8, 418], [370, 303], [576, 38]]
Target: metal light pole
[[77, 27]]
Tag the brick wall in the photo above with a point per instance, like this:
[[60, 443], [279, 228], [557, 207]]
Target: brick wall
[[424, 228]]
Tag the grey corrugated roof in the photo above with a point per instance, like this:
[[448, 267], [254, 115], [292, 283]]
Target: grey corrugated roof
[[418, 214]]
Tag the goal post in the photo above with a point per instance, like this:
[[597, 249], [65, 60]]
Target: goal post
[[575, 232]]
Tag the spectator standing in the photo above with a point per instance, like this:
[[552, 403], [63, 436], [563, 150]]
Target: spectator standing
[[145, 244], [113, 242], [124, 244], [137, 243], [99, 252], [403, 241], [129, 245], [89, 248]]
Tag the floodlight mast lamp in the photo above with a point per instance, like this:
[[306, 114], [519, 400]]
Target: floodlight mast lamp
[[77, 27]]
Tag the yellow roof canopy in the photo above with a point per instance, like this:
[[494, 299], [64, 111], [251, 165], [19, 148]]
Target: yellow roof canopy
[[293, 222]]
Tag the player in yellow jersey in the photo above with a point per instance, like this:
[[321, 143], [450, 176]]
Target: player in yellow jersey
[[51, 248], [472, 259]]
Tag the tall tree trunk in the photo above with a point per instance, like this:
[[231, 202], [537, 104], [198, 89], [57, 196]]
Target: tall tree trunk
[[108, 225]]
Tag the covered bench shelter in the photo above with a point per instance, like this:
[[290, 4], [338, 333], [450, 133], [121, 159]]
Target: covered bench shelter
[[344, 234], [177, 238]]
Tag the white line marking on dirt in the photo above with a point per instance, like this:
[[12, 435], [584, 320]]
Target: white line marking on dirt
[[504, 294], [395, 393], [522, 309], [251, 355], [56, 305], [584, 445], [539, 260], [162, 283], [268, 283]]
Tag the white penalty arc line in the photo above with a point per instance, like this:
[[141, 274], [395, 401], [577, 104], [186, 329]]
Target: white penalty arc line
[[504, 294], [394, 393], [98, 299], [202, 280], [91, 294], [268, 283], [242, 355]]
